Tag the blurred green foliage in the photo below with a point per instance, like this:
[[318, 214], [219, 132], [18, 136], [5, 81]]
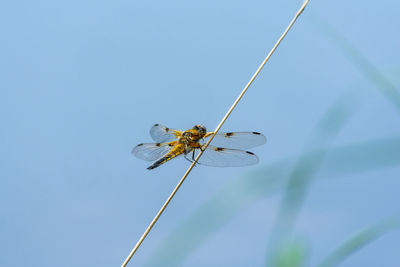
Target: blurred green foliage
[[292, 254], [360, 240], [304, 171], [355, 56]]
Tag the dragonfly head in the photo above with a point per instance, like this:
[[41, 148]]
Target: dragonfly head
[[200, 128]]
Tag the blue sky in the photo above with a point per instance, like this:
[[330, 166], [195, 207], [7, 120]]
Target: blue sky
[[82, 83]]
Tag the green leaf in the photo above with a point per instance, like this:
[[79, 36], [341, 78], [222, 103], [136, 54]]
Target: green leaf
[[358, 241], [369, 70], [291, 254]]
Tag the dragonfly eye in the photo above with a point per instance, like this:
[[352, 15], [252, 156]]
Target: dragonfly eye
[[200, 128]]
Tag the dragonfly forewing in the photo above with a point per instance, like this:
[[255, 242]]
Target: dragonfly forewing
[[238, 140], [161, 133]]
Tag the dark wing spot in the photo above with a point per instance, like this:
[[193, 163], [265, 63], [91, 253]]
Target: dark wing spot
[[158, 144], [256, 133], [219, 149], [166, 129], [248, 152], [156, 124], [140, 145], [171, 144], [229, 134]]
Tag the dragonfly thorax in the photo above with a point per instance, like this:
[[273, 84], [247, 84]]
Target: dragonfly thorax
[[192, 137]]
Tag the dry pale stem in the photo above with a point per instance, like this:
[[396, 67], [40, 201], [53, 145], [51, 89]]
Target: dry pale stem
[[212, 136]]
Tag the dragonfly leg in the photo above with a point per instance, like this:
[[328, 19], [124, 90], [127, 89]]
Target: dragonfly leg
[[191, 161], [193, 158], [188, 159]]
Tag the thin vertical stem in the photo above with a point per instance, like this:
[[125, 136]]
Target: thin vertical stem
[[212, 136]]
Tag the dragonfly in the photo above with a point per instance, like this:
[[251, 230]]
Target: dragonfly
[[227, 149]]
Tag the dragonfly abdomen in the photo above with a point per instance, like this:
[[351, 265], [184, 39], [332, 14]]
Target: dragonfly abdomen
[[176, 151]]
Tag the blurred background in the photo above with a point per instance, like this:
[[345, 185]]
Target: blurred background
[[82, 82]]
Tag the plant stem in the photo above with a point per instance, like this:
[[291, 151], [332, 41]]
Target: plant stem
[[212, 136]]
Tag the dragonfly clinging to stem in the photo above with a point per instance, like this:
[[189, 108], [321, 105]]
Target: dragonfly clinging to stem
[[226, 149]]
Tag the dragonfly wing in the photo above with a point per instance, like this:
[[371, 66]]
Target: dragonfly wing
[[238, 140], [161, 133], [151, 151], [224, 157]]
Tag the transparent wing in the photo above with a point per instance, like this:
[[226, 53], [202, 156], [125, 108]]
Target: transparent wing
[[223, 157], [238, 140], [151, 151], [160, 133]]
